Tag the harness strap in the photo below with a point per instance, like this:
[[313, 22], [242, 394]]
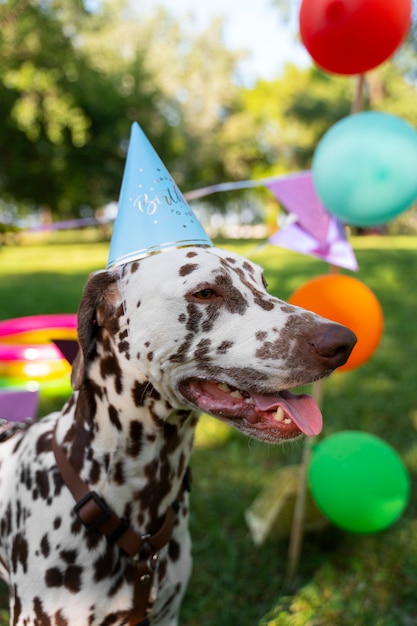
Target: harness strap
[[95, 514]]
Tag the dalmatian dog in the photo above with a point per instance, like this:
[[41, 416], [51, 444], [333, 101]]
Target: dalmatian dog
[[94, 499]]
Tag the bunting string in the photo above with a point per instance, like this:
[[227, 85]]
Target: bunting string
[[311, 231]]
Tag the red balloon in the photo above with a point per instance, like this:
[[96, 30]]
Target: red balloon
[[353, 36]]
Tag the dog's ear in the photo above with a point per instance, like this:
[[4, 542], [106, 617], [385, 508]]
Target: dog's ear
[[100, 305]]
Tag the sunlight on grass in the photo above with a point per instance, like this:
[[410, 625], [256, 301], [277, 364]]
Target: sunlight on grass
[[376, 242], [64, 259], [211, 432]]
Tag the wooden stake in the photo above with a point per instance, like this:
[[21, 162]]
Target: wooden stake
[[358, 97], [297, 530]]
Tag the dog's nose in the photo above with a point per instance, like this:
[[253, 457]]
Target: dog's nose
[[333, 344]]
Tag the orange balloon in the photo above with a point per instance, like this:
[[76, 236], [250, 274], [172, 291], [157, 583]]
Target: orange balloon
[[348, 301]]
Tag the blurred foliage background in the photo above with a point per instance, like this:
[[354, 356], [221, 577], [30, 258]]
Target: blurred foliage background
[[76, 73]]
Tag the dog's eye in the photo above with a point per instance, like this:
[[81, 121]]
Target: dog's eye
[[205, 294]]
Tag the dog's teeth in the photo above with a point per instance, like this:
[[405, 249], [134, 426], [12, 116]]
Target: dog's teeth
[[236, 394], [224, 387], [249, 401], [287, 420], [279, 415]]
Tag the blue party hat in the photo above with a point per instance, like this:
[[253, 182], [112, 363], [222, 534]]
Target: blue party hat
[[153, 214]]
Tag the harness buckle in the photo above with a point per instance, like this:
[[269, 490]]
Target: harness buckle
[[147, 547], [92, 511]]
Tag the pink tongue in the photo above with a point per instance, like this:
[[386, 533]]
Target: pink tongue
[[302, 409]]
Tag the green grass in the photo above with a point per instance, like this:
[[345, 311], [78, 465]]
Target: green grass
[[343, 579]]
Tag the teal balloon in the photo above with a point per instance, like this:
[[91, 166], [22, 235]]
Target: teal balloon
[[365, 168], [358, 481]]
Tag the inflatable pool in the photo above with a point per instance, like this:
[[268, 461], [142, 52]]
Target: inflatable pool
[[29, 357]]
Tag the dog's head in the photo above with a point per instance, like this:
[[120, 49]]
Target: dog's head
[[199, 325]]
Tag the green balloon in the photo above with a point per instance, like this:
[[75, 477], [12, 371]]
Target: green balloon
[[358, 481], [364, 168]]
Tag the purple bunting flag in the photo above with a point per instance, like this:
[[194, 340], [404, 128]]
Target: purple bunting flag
[[297, 194], [335, 250]]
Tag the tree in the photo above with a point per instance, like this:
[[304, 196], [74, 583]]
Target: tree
[[289, 116], [60, 141], [75, 80], [194, 72]]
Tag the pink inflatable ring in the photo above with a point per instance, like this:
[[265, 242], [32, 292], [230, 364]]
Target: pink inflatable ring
[[28, 356]]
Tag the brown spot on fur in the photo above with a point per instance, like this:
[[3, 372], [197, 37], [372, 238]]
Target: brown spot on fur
[[42, 481], [17, 609], [188, 269], [180, 355], [280, 348], [195, 315], [202, 350], [45, 547], [212, 314], [248, 267], [95, 471], [235, 301], [123, 347], [69, 556], [110, 366], [140, 393], [42, 618], [263, 300], [224, 347], [26, 477], [76, 526], [134, 445], [114, 417], [118, 473], [20, 553], [174, 550], [44, 443], [60, 619], [53, 577]]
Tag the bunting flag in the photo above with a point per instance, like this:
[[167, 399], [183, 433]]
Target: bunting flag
[[298, 196], [311, 229], [335, 250]]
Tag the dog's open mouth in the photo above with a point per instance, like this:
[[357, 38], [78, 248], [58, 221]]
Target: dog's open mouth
[[283, 415]]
